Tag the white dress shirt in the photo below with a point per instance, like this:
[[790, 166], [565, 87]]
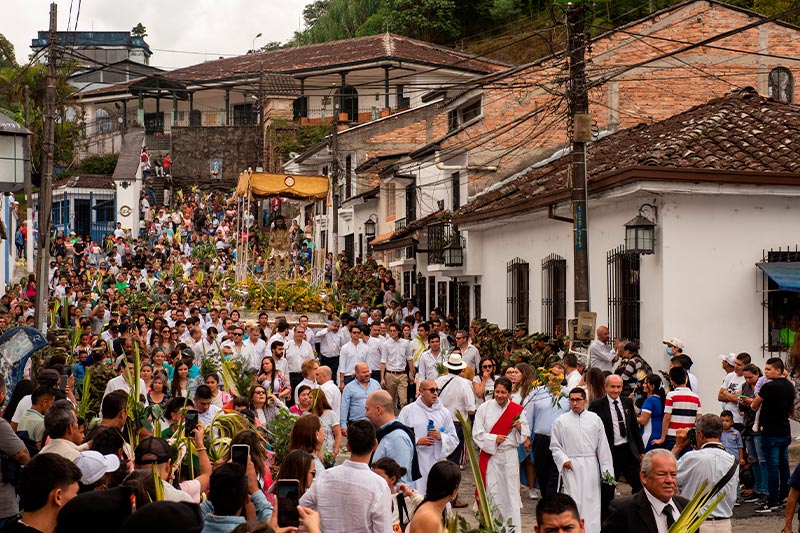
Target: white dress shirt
[[658, 511], [334, 396], [259, 351], [349, 355], [601, 356], [394, 354], [329, 342], [295, 355], [472, 357], [618, 438], [458, 396], [374, 346]]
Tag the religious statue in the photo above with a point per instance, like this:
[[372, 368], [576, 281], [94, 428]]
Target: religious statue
[[280, 254]]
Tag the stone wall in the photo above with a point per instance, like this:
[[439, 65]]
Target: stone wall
[[194, 147]]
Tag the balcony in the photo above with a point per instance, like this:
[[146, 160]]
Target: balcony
[[445, 245], [399, 224]]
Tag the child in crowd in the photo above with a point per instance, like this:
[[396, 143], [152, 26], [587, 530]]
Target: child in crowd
[[731, 437]]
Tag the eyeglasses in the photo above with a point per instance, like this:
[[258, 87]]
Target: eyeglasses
[[434, 390], [487, 366], [259, 392], [237, 334], [576, 400]]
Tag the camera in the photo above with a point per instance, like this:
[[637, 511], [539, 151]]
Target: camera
[[692, 436]]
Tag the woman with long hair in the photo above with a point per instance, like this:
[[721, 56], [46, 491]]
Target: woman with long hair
[[330, 424], [483, 382], [305, 400], [273, 379], [258, 454], [299, 465], [652, 413], [158, 393], [182, 386], [158, 360], [264, 407], [594, 381], [524, 385], [522, 392], [154, 333], [307, 434], [23, 388], [443, 482], [404, 500], [218, 396]]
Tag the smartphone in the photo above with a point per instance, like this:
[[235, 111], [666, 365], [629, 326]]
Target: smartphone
[[240, 453], [62, 384], [288, 493], [192, 416]]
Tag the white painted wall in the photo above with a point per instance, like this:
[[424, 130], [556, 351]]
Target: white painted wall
[[701, 284]]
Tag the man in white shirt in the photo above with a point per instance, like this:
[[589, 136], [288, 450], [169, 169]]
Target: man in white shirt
[[122, 382], [309, 371], [350, 497], [351, 353], [240, 348], [571, 373], [410, 309], [259, 346], [428, 359], [395, 356], [469, 353], [601, 355], [456, 394], [281, 334], [329, 344], [329, 388], [202, 402], [732, 387], [370, 335], [297, 351]]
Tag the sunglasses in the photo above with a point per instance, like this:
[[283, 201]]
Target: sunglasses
[[434, 389], [487, 366]]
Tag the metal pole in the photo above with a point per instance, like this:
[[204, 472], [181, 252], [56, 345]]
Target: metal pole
[[579, 108], [28, 186], [46, 189], [333, 245]]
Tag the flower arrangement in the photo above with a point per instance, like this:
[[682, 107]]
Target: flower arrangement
[[552, 381]]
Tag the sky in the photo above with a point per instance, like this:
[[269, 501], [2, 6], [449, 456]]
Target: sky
[[208, 28]]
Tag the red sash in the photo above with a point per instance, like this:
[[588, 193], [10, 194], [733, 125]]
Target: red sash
[[503, 426]]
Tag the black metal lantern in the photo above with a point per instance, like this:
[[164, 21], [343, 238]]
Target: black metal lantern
[[454, 252], [370, 227], [640, 232], [13, 138]]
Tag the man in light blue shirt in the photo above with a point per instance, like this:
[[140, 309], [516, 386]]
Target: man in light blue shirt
[[542, 410], [395, 440], [354, 396]]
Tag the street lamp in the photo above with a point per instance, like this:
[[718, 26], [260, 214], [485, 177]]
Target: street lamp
[[253, 45], [640, 232], [13, 138]]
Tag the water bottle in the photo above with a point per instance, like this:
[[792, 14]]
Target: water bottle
[[430, 425]]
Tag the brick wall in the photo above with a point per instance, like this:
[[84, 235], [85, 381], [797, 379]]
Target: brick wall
[[193, 148], [525, 115]]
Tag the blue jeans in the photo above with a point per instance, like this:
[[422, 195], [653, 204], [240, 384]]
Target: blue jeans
[[776, 453], [756, 451]]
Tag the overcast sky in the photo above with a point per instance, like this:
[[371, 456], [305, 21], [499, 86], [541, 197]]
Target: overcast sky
[[209, 28]]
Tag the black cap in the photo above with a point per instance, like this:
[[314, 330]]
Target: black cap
[[631, 347], [165, 517], [108, 508], [152, 450]]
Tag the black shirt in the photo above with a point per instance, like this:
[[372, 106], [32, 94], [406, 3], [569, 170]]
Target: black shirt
[[778, 398], [19, 527]]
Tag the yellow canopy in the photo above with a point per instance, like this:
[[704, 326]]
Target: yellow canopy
[[296, 186]]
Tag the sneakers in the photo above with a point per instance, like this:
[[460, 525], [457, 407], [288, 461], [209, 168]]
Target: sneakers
[[752, 498], [533, 494], [765, 508]]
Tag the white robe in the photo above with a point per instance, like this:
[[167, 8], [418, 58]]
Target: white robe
[[581, 440], [502, 472], [416, 415]]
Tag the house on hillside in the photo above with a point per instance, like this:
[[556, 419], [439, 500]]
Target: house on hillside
[[84, 204], [719, 186], [488, 132], [215, 109]]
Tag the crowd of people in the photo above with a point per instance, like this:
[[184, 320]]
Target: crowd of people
[[383, 399]]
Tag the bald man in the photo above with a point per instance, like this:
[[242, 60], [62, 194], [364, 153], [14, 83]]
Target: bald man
[[354, 396], [332, 393], [624, 438], [601, 353], [394, 439]]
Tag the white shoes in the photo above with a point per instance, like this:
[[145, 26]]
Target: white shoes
[[533, 494]]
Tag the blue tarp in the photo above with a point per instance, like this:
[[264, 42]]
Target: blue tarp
[[786, 275]]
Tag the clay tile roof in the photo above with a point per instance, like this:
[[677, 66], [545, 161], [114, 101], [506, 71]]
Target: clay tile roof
[[86, 181], [739, 132]]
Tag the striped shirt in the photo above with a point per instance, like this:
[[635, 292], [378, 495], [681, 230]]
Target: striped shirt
[[683, 406]]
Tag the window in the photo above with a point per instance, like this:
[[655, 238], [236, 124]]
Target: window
[[441, 296], [452, 120], [403, 102], [349, 98], [421, 299], [461, 291], [464, 114], [455, 183], [391, 201], [348, 176], [408, 281], [782, 308], [103, 119], [245, 115], [477, 295], [518, 292], [411, 202], [300, 108], [349, 251], [554, 295], [623, 294], [781, 85], [431, 294], [61, 212], [104, 211]]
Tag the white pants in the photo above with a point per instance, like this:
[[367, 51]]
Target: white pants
[[716, 526]]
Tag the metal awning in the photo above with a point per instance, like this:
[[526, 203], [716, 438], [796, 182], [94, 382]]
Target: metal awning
[[786, 275]]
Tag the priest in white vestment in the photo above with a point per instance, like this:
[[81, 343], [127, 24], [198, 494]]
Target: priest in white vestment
[[432, 444], [497, 433], [581, 453]]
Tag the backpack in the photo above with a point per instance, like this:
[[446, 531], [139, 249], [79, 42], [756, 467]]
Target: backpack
[[9, 468], [394, 426]]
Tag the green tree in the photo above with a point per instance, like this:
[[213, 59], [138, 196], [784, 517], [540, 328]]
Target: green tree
[[7, 56], [139, 30], [427, 20]]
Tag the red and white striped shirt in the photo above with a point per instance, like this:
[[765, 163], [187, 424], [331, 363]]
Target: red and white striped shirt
[[684, 406]]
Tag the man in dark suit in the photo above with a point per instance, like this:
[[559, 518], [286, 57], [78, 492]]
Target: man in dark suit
[[624, 438], [653, 509]]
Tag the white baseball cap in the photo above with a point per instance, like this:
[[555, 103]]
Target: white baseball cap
[[95, 465]]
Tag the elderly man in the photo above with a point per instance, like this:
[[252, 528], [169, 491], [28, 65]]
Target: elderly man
[[435, 433], [624, 436], [709, 463], [325, 382], [582, 455], [601, 354], [395, 440], [653, 509], [354, 396]]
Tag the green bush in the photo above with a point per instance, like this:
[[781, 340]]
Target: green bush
[[98, 164]]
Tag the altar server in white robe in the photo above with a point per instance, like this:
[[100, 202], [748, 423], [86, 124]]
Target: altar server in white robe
[[497, 431], [432, 444], [581, 453]]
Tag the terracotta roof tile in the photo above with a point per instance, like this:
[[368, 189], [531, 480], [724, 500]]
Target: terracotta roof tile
[[740, 132]]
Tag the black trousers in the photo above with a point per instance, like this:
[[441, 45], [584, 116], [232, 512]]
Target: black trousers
[[458, 453], [546, 471], [627, 464], [294, 380], [330, 362]]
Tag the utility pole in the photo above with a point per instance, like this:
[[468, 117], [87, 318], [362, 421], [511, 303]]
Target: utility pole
[[46, 188], [580, 129], [28, 187], [333, 245]]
